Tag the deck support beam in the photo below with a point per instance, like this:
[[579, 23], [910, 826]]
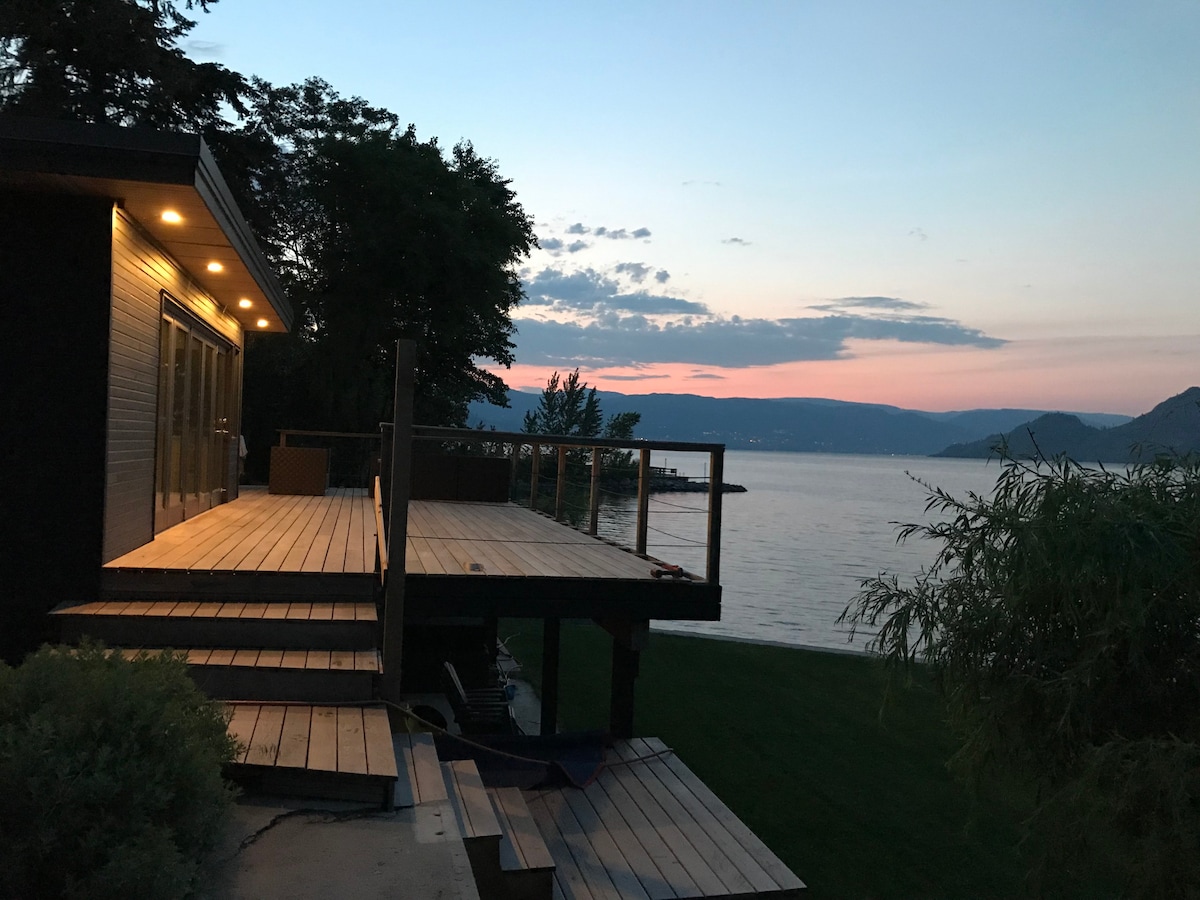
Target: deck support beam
[[397, 524], [551, 646]]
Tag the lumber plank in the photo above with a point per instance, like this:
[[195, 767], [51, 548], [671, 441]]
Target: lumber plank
[[323, 739], [241, 727], [381, 755], [351, 744], [264, 747], [293, 739]]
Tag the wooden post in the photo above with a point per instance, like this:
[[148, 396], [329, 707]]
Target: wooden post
[[716, 476], [560, 488], [551, 643], [512, 475], [397, 524], [625, 665], [643, 501], [594, 499], [535, 466], [385, 467]]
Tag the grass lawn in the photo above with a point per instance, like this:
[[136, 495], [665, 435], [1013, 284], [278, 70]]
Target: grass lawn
[[854, 798]]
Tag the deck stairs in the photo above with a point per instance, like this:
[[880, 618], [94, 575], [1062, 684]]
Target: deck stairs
[[646, 829], [299, 676]]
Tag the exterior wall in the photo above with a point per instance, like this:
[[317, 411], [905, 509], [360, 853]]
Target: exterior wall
[[140, 271], [55, 261]]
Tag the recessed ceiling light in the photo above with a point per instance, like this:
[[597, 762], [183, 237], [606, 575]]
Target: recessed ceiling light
[[245, 303], [171, 217], [263, 323], [215, 267]]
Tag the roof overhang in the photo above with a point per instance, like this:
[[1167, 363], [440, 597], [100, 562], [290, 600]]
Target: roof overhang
[[147, 173]]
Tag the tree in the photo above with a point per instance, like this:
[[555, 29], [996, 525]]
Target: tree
[[110, 61], [1061, 620], [569, 407], [378, 235]]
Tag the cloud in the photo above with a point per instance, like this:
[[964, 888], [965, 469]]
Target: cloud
[[706, 376], [736, 241], [614, 234], [883, 303], [919, 234], [640, 233], [662, 276], [578, 228], [636, 271], [614, 339], [696, 183], [550, 244], [589, 291], [211, 49], [634, 377], [576, 246]]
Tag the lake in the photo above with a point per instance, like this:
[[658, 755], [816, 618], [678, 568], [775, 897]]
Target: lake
[[796, 546]]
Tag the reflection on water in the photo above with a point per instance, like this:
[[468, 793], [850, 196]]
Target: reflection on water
[[797, 545]]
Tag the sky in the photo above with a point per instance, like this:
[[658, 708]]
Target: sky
[[939, 205]]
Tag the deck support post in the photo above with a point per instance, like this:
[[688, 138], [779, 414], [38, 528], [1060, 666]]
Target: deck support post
[[551, 644], [397, 523], [625, 665], [629, 638]]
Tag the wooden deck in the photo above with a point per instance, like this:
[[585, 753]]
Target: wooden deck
[[261, 532], [461, 559]]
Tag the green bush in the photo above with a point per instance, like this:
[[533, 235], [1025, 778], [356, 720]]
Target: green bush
[[110, 776], [1061, 619]]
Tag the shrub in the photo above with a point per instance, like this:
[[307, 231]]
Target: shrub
[[1061, 619], [110, 775]]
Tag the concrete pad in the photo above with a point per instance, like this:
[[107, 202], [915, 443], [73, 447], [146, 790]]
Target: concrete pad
[[303, 849]]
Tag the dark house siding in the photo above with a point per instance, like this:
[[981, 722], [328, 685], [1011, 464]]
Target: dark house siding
[[55, 261]]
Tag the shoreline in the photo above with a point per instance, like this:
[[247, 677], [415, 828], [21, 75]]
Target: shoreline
[[764, 642]]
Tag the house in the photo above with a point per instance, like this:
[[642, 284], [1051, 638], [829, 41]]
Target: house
[[128, 282]]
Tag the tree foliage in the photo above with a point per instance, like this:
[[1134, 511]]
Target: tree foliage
[[110, 61], [569, 407], [378, 235], [1061, 619]]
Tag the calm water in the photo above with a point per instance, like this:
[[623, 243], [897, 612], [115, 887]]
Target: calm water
[[796, 546]]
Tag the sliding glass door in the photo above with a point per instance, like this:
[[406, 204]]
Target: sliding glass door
[[197, 431]]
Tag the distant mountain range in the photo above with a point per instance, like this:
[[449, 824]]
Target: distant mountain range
[[1171, 427], [797, 424]]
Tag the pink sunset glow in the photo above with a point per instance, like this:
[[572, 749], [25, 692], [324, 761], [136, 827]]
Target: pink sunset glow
[[1084, 375]]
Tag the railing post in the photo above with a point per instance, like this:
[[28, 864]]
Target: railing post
[[643, 501], [397, 523], [535, 467], [716, 476], [385, 467], [594, 499], [560, 487], [512, 475]]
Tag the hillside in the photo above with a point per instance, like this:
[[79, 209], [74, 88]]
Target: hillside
[[797, 424], [1172, 426]]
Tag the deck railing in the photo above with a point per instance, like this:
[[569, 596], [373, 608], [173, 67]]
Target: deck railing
[[529, 454]]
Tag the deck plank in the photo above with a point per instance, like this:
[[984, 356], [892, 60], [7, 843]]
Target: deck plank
[[241, 727], [264, 747], [293, 739], [381, 755], [351, 743], [323, 739]]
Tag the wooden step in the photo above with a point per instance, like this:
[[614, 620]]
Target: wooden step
[[313, 676], [422, 780], [170, 623], [527, 869], [477, 822], [327, 752], [132, 583], [647, 827]]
